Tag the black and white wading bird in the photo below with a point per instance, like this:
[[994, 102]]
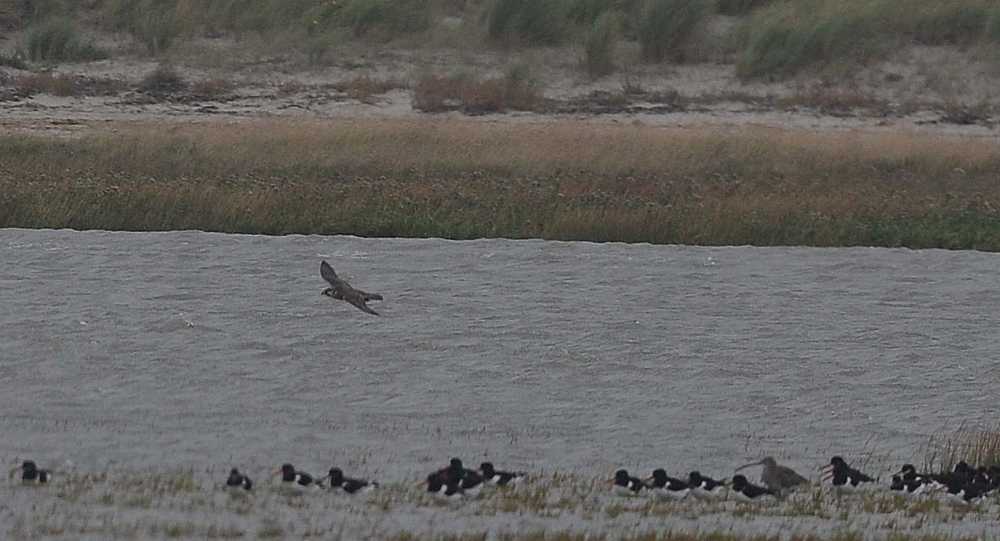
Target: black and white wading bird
[[293, 477], [843, 477], [468, 480], [32, 474], [342, 291], [705, 488], [624, 484], [746, 491], [499, 478], [347, 484], [439, 484], [238, 480], [455, 478], [666, 487]]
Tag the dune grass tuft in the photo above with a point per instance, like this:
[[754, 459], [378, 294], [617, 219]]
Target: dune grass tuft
[[532, 22], [516, 90], [975, 447], [665, 26], [785, 37], [59, 40], [599, 45]]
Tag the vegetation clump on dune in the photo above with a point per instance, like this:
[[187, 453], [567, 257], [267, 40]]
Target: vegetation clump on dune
[[788, 36], [463, 179], [771, 37]]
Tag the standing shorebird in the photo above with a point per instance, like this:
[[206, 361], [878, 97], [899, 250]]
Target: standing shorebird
[[32, 474], [746, 491], [348, 484], [238, 480], [497, 477], [777, 478], [666, 487], [444, 487], [705, 488], [844, 477], [295, 478], [624, 484], [342, 291]]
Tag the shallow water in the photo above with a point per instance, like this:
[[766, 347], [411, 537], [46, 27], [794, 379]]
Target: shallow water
[[205, 350]]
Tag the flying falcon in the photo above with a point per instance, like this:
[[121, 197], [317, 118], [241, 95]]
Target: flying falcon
[[342, 291]]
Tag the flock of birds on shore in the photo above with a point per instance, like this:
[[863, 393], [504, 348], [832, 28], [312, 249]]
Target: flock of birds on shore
[[964, 484]]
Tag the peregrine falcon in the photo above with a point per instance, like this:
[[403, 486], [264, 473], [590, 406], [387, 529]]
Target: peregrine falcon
[[342, 291]]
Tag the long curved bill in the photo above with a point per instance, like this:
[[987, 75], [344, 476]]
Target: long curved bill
[[749, 465]]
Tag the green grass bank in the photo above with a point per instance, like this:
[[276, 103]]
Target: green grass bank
[[465, 179]]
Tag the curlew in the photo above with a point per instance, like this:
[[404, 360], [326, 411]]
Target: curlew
[[775, 477]]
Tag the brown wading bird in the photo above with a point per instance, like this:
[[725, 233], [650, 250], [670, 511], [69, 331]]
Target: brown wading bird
[[342, 291], [775, 477]]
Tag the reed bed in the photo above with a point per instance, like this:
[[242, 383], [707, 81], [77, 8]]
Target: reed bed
[[465, 179], [975, 447]]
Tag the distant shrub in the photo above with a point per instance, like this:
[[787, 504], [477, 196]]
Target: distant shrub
[[515, 90], [31, 11], [534, 22], [58, 40], [163, 80], [783, 38], [156, 29], [739, 7], [154, 23], [58, 84], [950, 22], [212, 88], [587, 11], [45, 83], [364, 87], [992, 30], [13, 60], [257, 15], [599, 45], [391, 17], [317, 46], [664, 26]]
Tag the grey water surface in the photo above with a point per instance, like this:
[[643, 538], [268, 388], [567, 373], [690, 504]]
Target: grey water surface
[[197, 349]]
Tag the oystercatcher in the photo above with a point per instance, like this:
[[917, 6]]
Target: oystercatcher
[[238, 480], [497, 477], [749, 492], [666, 487], [347, 484], [626, 485]]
